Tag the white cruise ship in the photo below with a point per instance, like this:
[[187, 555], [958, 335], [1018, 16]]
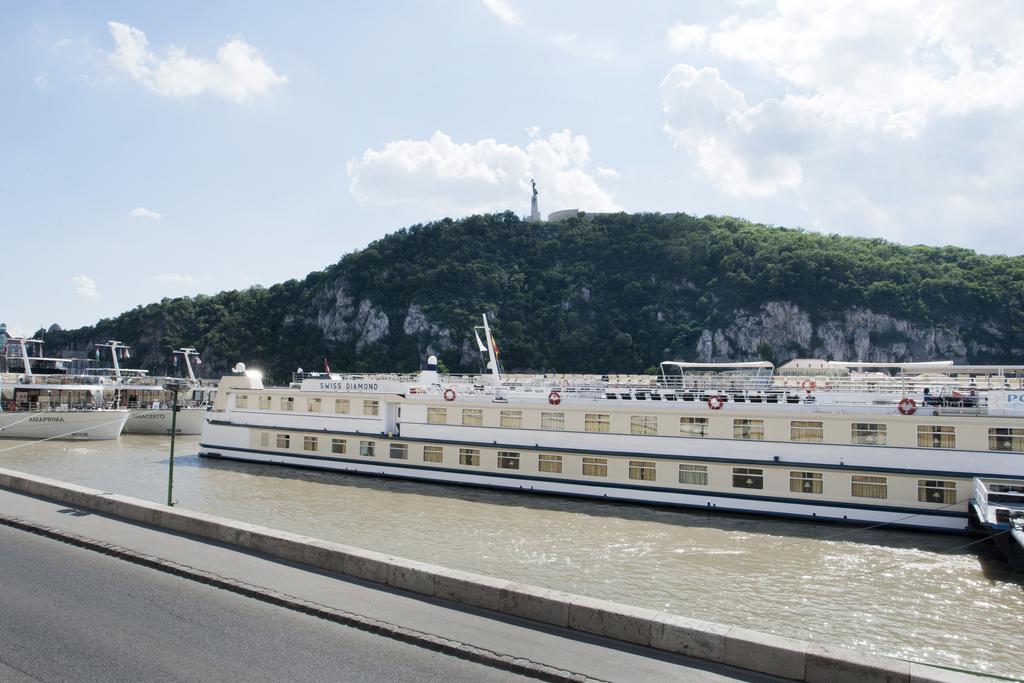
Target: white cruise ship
[[40, 402], [903, 445], [150, 399]]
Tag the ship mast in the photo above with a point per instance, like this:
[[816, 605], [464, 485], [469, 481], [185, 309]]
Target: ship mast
[[113, 345], [24, 351], [186, 353], [493, 364]]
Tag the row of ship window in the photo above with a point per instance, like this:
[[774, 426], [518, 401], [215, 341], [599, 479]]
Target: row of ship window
[[861, 486], [342, 406], [806, 431]]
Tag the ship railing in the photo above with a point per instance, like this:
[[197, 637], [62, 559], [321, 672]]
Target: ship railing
[[990, 495]]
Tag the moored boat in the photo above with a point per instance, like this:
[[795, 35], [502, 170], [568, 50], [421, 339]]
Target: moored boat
[[883, 444], [54, 406], [150, 399]]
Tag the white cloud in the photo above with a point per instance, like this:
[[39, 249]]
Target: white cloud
[[885, 66], [462, 178], [141, 212], [41, 81], [238, 74], [568, 42], [683, 37], [890, 119], [85, 286], [181, 278], [608, 173], [533, 131], [745, 150], [503, 11]]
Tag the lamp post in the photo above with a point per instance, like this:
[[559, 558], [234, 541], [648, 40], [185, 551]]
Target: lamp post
[[174, 387]]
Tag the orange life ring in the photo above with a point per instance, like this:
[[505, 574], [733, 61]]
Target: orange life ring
[[808, 385], [715, 402], [449, 394], [907, 406], [554, 398]]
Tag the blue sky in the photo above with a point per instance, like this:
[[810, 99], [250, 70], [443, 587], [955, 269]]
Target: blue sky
[[154, 149]]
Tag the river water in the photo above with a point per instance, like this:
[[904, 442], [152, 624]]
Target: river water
[[897, 593]]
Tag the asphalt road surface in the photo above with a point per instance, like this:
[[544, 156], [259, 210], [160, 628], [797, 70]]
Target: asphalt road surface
[[68, 613]]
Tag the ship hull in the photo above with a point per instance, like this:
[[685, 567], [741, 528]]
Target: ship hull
[[74, 425], [149, 421]]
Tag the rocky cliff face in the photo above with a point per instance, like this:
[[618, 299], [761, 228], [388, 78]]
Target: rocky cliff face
[[779, 330]]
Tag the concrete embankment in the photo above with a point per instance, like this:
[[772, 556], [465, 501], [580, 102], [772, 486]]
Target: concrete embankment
[[735, 646]]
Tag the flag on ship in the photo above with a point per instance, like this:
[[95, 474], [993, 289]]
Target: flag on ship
[[327, 368]]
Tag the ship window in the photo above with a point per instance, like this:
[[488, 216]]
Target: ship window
[[644, 470], [398, 451], [693, 474], [597, 422], [469, 456], [309, 443], [595, 467], [313, 405], [371, 407], [747, 478], [748, 429], [643, 424], [693, 426], [264, 403], [341, 406], [549, 463], [553, 421], [511, 418], [433, 453], [241, 401], [936, 491], [508, 460], [1005, 439], [864, 486], [806, 431], [472, 417], [265, 439], [339, 446], [868, 433], [437, 416], [283, 440], [366, 448], [287, 403], [805, 482], [936, 436]]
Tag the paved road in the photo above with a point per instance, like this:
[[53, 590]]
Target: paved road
[[72, 614], [64, 607]]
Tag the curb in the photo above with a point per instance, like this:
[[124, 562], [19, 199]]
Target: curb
[[722, 644]]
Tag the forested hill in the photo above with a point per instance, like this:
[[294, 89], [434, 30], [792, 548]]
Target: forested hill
[[613, 293]]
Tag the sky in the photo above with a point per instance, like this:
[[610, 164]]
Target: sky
[[152, 150]]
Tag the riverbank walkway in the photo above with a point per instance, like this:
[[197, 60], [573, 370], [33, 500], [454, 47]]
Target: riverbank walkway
[[515, 645]]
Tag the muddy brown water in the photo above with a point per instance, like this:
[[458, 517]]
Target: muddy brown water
[[899, 593]]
